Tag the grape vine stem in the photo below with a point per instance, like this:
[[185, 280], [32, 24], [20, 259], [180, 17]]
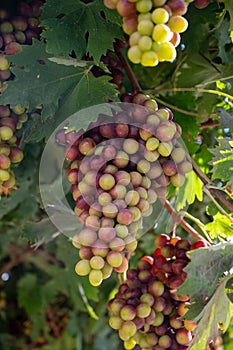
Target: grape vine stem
[[184, 224]]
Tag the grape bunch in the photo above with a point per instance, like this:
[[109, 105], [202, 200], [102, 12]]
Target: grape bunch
[[153, 26], [147, 310], [11, 120], [17, 27], [118, 169]]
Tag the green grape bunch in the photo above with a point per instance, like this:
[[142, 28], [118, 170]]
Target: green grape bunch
[[153, 27]]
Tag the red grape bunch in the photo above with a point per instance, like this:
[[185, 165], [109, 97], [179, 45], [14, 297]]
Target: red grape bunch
[[147, 311], [118, 169], [153, 26], [11, 120], [17, 27]]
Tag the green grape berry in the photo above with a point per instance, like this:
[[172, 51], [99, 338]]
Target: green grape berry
[[160, 16], [134, 54], [83, 268]]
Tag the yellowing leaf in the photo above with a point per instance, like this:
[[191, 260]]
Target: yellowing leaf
[[191, 190], [220, 226]]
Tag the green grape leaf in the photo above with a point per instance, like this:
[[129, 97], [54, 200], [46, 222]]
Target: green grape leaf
[[229, 288], [77, 26], [223, 160], [215, 316], [62, 89], [38, 80], [90, 91], [191, 190], [207, 265], [220, 226]]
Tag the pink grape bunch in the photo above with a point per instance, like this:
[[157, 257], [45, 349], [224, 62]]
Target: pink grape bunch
[[118, 169], [147, 310], [11, 120], [153, 26], [17, 27]]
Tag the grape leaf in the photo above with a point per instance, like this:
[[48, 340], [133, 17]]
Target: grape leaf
[[223, 160], [77, 26], [90, 91], [215, 315], [206, 267], [191, 190], [38, 80], [62, 89], [220, 226]]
